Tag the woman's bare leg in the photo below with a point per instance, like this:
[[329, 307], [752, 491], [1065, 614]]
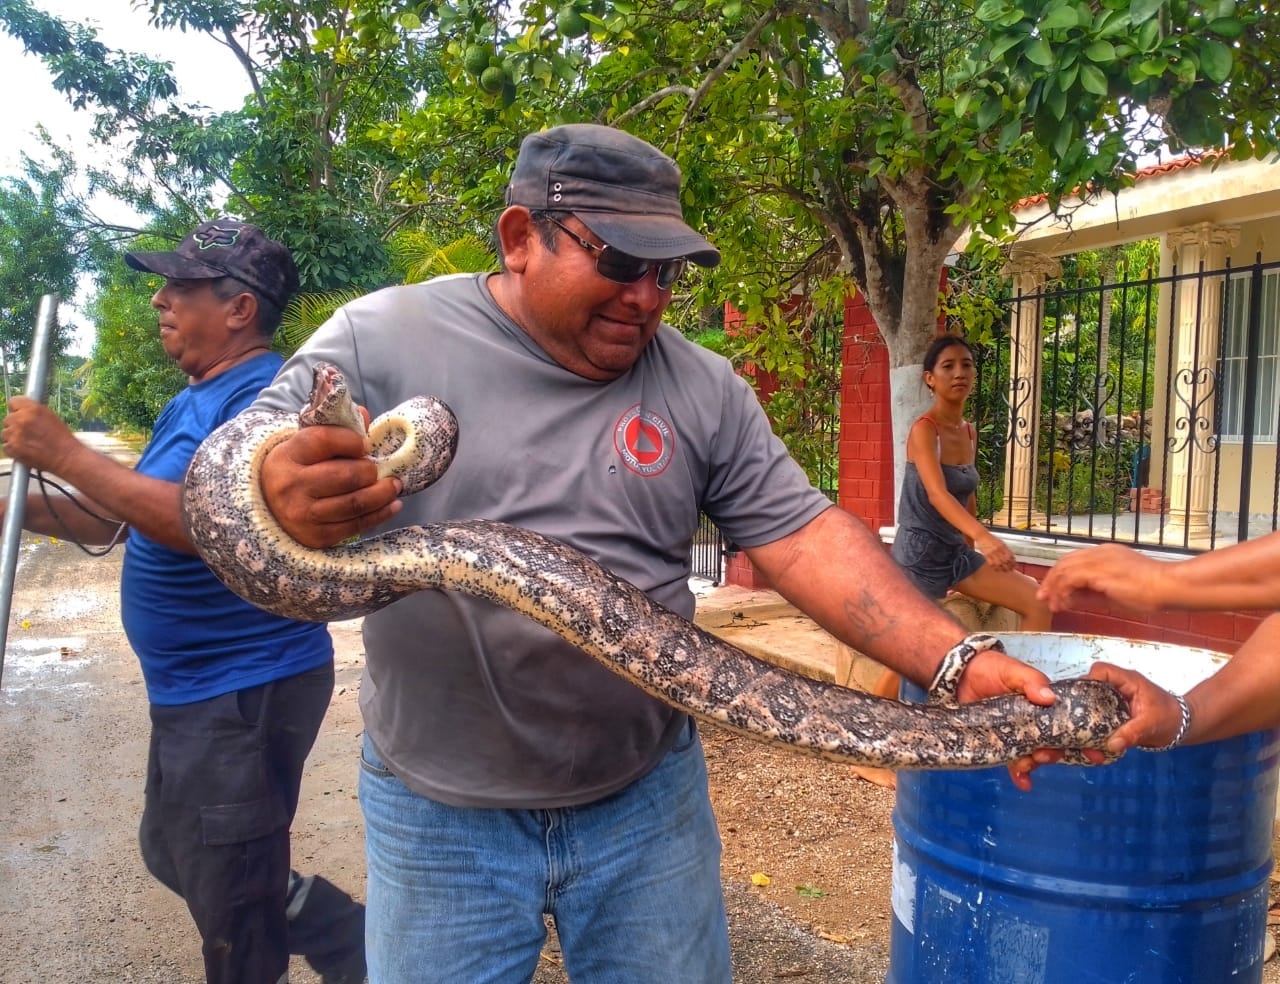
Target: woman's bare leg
[[1012, 590]]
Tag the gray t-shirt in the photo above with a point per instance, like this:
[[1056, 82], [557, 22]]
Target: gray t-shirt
[[474, 705]]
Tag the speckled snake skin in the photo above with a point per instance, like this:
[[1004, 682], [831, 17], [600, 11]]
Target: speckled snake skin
[[606, 617]]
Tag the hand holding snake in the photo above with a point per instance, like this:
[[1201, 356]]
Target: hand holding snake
[[607, 618]]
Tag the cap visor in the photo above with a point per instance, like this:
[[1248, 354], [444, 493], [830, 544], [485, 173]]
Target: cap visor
[[173, 265], [650, 237]]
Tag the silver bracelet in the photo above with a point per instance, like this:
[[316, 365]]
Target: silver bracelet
[[1183, 727], [945, 687]]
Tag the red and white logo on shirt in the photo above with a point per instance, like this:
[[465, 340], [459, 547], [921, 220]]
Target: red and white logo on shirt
[[644, 441]]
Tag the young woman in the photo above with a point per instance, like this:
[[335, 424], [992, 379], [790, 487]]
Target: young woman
[[940, 543]]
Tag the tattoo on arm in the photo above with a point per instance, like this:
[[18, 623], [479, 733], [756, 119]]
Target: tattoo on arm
[[868, 617]]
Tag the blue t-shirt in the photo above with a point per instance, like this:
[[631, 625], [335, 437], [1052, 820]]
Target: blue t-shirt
[[194, 638]]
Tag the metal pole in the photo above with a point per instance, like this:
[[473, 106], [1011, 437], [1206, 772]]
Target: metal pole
[[37, 386]]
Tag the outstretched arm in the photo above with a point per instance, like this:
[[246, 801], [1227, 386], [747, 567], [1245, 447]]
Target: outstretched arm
[[34, 435], [1243, 576], [1243, 696]]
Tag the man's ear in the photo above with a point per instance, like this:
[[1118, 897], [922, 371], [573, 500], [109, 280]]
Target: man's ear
[[515, 230], [242, 311]]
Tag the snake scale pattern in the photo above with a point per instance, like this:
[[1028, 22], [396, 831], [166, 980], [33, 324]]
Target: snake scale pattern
[[607, 618]]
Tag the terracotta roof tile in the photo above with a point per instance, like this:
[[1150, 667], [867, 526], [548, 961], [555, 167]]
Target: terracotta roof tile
[[1154, 170]]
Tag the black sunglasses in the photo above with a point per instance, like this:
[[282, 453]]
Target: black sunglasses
[[623, 268]]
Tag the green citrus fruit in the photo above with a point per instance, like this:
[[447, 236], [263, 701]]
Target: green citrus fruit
[[476, 58], [491, 79], [570, 23]]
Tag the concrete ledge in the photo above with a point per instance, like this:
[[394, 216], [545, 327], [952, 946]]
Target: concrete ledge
[[773, 630], [1045, 550], [764, 625]]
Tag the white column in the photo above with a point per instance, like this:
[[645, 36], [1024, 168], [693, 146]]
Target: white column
[[1028, 270], [1192, 443]]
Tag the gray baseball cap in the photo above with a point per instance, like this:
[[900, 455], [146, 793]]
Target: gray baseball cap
[[227, 248], [621, 188]]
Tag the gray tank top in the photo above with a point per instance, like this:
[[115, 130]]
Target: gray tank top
[[915, 511]]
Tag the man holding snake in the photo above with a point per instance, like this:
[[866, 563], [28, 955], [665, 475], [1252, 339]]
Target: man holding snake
[[505, 776]]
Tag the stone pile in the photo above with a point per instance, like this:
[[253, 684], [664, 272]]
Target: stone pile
[[1082, 429]]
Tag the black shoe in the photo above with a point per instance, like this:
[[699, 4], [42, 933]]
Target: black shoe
[[354, 973], [327, 926]]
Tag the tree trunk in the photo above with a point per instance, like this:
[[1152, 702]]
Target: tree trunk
[[916, 327]]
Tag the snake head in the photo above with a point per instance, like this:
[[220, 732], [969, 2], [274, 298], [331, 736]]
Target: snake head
[[330, 401]]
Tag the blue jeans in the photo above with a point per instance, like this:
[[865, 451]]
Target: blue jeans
[[632, 881]]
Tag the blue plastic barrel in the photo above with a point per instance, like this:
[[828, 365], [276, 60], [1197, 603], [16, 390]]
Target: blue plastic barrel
[[1152, 870]]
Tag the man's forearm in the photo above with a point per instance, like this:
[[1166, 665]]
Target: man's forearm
[[61, 516], [150, 505], [836, 572], [1242, 576]]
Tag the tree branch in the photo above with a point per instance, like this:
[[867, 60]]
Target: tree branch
[[745, 43], [652, 99]]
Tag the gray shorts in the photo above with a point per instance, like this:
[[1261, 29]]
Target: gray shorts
[[934, 565]]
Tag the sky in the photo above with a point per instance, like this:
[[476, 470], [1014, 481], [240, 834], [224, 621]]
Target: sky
[[206, 72]]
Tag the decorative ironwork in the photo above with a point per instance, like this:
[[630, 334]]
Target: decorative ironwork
[[1020, 404], [706, 560], [1194, 423], [1090, 426]]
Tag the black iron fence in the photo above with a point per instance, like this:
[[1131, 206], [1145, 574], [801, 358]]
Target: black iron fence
[[710, 549], [1143, 410]]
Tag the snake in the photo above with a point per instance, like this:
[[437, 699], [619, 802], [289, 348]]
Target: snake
[[611, 620]]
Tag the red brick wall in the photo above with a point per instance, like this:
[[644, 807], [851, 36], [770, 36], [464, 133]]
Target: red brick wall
[[866, 430], [738, 570]]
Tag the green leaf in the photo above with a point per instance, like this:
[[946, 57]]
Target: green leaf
[[1102, 52], [1002, 45], [1059, 19], [1039, 53], [1141, 11], [1055, 101], [988, 112], [1216, 60], [989, 10], [1226, 27], [1185, 70], [1148, 36], [1009, 134], [1092, 80]]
